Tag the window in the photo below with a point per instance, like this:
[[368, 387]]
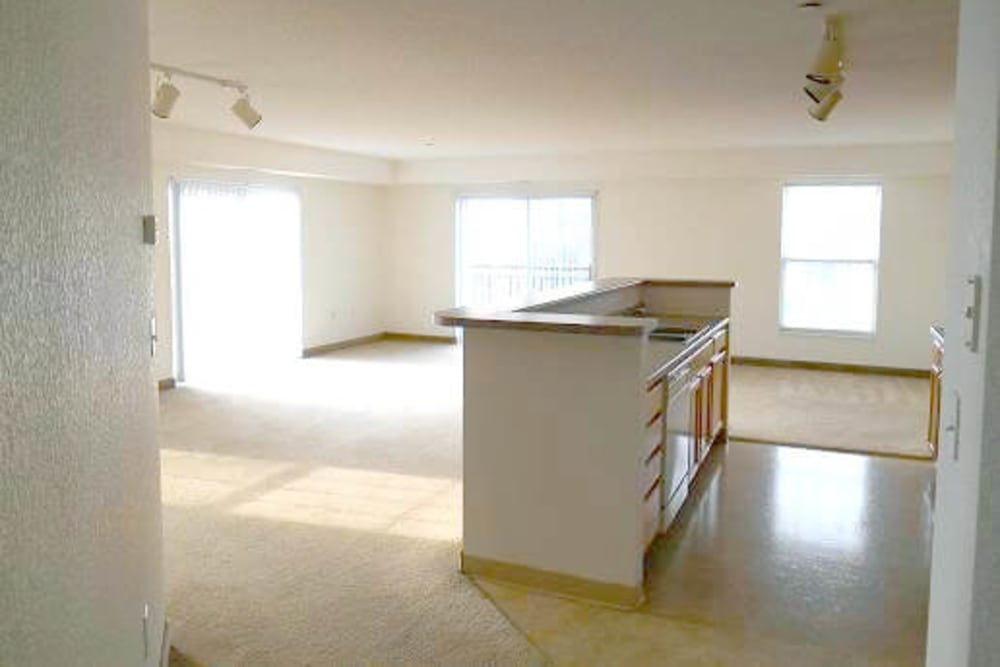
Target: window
[[512, 247], [829, 257]]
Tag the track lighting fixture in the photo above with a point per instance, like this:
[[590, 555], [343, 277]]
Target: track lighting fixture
[[826, 76], [818, 92], [165, 98], [821, 110], [243, 110], [829, 61], [167, 94]]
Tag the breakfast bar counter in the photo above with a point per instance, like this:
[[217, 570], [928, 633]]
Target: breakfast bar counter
[[587, 413]]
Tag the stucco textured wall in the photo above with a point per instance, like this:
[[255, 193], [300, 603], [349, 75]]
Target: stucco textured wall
[[80, 529]]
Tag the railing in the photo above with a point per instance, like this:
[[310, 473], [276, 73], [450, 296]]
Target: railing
[[491, 285]]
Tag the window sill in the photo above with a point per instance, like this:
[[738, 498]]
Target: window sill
[[827, 333]]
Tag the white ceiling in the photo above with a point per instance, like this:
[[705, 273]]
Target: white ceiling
[[507, 77]]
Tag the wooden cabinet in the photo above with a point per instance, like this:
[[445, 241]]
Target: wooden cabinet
[[709, 400], [934, 411], [720, 391], [652, 466], [685, 414]]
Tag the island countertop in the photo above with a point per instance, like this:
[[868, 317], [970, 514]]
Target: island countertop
[[552, 311]]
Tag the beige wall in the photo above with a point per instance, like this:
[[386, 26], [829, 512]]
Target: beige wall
[[701, 227], [380, 256], [343, 260], [420, 261], [731, 229]]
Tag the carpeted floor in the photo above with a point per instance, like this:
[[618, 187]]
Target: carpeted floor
[[846, 411], [312, 516]]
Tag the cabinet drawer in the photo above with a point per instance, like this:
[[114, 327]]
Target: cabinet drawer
[[702, 357], [654, 400], [652, 437], [652, 470], [721, 341], [651, 514]]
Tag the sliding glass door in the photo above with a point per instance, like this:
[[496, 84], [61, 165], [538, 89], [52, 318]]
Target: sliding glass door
[[238, 273], [512, 247]]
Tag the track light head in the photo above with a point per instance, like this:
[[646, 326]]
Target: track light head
[[821, 110], [818, 92], [243, 110], [165, 99], [829, 63]]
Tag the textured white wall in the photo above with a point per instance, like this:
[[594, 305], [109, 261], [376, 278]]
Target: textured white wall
[[80, 534], [705, 228], [965, 575], [343, 264]]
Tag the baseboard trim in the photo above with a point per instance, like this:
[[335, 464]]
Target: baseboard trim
[[420, 338], [825, 448], [826, 366], [341, 345], [166, 384], [564, 585], [375, 338]]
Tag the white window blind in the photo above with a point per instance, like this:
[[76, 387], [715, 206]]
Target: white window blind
[[829, 257], [512, 247]]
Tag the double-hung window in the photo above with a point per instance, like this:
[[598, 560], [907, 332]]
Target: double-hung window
[[829, 258], [512, 247]]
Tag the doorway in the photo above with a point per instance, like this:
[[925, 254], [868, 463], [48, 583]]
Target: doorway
[[238, 278]]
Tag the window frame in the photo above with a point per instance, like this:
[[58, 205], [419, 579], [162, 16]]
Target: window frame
[[874, 263], [592, 195]]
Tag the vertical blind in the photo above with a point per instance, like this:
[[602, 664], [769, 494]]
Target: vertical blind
[[512, 247], [239, 272]]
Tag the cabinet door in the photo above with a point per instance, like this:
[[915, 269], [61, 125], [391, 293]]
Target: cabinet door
[[934, 420], [707, 415], [697, 406], [702, 404], [720, 388]]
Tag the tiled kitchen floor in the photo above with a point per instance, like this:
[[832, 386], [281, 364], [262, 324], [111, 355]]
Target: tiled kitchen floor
[[786, 556]]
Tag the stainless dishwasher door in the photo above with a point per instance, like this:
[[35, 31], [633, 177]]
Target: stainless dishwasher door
[[680, 436]]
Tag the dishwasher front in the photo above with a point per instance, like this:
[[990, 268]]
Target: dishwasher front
[[679, 442]]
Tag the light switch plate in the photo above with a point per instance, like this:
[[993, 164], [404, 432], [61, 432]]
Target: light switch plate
[[149, 229], [970, 312]]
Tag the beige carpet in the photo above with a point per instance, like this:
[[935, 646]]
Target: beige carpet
[[312, 516], [845, 411]]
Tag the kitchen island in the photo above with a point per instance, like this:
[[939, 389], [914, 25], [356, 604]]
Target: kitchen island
[[587, 415]]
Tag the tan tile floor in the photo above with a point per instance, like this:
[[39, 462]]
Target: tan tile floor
[[787, 556]]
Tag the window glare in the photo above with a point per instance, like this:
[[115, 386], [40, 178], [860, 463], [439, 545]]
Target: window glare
[[829, 257], [831, 222], [829, 295], [511, 247]]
